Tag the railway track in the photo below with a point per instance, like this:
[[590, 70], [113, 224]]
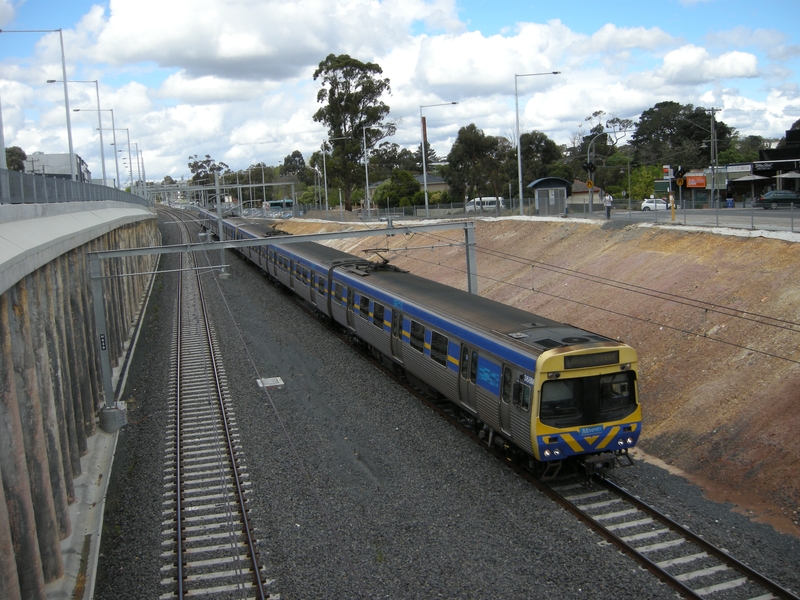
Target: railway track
[[683, 560], [209, 548], [679, 557], [692, 566]]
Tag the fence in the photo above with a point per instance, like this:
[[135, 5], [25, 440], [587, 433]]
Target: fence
[[23, 188]]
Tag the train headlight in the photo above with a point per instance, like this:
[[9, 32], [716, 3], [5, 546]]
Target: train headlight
[[625, 367], [630, 441], [556, 452], [547, 453], [620, 442], [553, 375]]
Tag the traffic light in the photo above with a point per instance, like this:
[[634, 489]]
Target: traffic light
[[680, 173], [590, 166]]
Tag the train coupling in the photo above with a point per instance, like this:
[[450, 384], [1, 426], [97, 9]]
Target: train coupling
[[599, 464]]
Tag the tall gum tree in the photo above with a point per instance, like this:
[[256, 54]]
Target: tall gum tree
[[352, 109]]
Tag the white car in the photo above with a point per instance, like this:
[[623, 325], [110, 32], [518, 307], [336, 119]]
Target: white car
[[654, 204], [484, 204]]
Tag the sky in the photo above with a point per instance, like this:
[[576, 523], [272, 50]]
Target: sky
[[234, 78]]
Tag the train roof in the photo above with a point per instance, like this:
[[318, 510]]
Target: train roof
[[256, 227], [525, 327]]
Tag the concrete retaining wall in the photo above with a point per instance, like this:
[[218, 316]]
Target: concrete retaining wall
[[50, 391]]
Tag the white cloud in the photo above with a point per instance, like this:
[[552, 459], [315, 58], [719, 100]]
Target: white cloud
[[7, 12], [691, 64], [210, 88], [233, 78]]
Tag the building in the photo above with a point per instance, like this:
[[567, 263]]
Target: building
[[435, 183], [550, 194], [57, 165]]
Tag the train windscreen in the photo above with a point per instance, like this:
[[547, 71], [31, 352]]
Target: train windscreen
[[587, 400]]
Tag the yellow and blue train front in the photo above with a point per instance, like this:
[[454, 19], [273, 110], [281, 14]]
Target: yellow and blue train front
[[558, 444]]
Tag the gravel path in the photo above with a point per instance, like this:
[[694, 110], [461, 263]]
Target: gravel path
[[359, 491]]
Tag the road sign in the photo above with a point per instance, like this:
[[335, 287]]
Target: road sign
[[590, 183]]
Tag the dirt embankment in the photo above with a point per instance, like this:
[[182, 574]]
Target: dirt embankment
[[714, 317]]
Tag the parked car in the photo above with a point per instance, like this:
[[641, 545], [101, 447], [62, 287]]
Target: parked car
[[654, 204], [480, 204], [777, 198]]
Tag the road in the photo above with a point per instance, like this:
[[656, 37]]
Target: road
[[782, 219]]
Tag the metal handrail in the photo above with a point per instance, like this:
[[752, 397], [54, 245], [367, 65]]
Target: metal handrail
[[17, 187]]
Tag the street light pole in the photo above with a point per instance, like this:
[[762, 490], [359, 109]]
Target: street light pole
[[588, 162], [424, 135], [366, 171], [138, 167], [72, 170], [325, 168], [99, 120], [130, 165], [519, 141], [114, 136]]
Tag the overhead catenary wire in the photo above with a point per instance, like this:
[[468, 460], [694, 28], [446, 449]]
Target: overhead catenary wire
[[626, 315], [634, 288], [295, 452]]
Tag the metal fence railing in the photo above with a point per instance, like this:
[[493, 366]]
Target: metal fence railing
[[23, 188]]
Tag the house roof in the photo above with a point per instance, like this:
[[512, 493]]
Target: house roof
[[579, 187]]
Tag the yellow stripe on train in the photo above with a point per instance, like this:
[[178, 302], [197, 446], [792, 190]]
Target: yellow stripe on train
[[611, 435]]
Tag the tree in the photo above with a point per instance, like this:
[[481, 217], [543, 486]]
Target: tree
[[168, 180], [15, 158], [677, 134], [398, 190], [742, 150], [203, 169], [643, 181], [351, 93], [540, 158], [389, 156], [430, 156], [294, 168], [467, 161]]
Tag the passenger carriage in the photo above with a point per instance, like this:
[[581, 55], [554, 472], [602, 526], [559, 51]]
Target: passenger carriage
[[554, 391]]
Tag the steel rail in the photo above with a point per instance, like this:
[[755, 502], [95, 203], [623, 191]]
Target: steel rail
[[179, 493], [208, 337], [695, 539], [229, 442]]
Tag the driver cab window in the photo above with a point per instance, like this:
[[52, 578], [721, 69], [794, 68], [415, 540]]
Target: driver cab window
[[559, 399]]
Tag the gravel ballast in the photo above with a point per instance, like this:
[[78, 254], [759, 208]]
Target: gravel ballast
[[360, 491]]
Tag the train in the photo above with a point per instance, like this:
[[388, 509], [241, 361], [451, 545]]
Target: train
[[551, 393]]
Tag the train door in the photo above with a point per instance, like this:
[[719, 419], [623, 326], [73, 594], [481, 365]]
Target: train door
[[397, 334], [468, 376], [312, 284], [350, 304], [505, 399]]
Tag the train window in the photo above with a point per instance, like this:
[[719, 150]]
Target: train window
[[321, 285], [615, 391], [464, 362], [522, 395], [337, 291], [560, 399], [473, 367], [417, 338], [377, 315], [298, 272], [439, 348], [507, 385], [363, 307]]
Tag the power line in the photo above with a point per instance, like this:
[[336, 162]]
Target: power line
[[622, 314]]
